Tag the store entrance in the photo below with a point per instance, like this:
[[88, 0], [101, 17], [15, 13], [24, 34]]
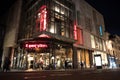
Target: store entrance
[[53, 60], [38, 60]]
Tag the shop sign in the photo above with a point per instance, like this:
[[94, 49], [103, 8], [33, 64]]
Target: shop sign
[[36, 45], [41, 21], [43, 17]]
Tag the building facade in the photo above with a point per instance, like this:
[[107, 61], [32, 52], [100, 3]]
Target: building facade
[[55, 34], [91, 38], [113, 47], [2, 34]]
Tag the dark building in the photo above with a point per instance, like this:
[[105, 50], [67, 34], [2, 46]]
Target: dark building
[[2, 33]]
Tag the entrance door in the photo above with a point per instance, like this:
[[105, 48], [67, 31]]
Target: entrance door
[[98, 61], [41, 60]]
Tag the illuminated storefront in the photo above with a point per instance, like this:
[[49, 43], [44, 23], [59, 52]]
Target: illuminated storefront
[[99, 54], [100, 58], [111, 55], [49, 53], [112, 61], [83, 56], [47, 36]]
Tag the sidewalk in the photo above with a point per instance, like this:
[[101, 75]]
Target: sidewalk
[[35, 70]]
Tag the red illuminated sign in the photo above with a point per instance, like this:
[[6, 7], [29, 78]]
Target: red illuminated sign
[[43, 17], [75, 31], [36, 45], [41, 21]]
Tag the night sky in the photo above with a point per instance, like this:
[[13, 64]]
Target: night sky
[[108, 8]]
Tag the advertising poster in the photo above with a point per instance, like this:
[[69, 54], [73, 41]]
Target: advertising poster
[[98, 61]]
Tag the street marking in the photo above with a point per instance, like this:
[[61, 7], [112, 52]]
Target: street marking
[[34, 77]]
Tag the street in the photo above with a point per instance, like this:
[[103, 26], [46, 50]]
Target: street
[[62, 75]]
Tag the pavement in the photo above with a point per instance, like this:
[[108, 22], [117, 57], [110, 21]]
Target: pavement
[[35, 70]]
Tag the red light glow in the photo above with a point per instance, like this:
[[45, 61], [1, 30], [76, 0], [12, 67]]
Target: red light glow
[[41, 21], [75, 31], [36, 45], [44, 36], [43, 16]]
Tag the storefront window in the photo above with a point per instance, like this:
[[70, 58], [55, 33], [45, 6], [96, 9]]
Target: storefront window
[[36, 57], [79, 36], [83, 57], [103, 56]]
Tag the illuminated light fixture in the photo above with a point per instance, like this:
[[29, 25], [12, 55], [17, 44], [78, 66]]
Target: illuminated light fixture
[[36, 45], [75, 31], [52, 57], [62, 12], [57, 9], [44, 36], [30, 58]]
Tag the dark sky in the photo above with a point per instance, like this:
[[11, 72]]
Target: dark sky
[[110, 9], [4, 5]]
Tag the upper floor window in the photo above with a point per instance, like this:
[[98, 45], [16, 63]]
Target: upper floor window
[[88, 23], [79, 36], [100, 30], [92, 41], [78, 17]]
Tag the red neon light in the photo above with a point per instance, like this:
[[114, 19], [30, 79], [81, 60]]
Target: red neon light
[[36, 45], [41, 21], [75, 31], [43, 17]]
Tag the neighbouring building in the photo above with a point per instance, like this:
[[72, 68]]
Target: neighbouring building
[[90, 45], [3, 18], [113, 46], [55, 34]]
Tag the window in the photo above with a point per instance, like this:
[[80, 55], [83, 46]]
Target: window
[[78, 17], [104, 46], [79, 36], [52, 28], [97, 45], [92, 41], [100, 30], [88, 23], [100, 44]]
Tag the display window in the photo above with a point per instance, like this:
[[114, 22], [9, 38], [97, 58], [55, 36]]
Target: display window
[[48, 59], [83, 57]]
